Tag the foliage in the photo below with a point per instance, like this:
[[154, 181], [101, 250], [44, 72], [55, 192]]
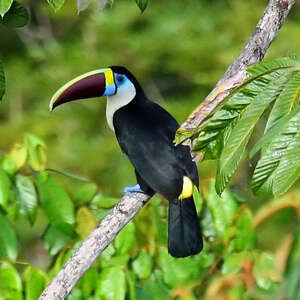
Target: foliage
[[225, 135], [136, 265], [178, 54]]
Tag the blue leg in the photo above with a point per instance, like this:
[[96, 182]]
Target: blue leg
[[133, 189]]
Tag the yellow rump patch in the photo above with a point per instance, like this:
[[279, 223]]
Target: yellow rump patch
[[109, 77], [187, 188]]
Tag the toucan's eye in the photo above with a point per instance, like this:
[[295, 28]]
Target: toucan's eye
[[120, 78]]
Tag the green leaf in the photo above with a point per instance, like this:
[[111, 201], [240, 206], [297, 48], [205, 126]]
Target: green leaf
[[288, 170], [143, 264], [85, 222], [2, 80], [5, 6], [111, 285], [36, 152], [18, 155], [104, 201], [234, 262], [56, 237], [8, 239], [177, 272], [286, 102], [35, 282], [239, 137], [10, 283], [264, 271], [5, 189], [88, 283], [274, 147], [85, 193], [56, 4], [142, 4], [223, 208], [17, 16], [125, 240], [27, 196], [55, 200]]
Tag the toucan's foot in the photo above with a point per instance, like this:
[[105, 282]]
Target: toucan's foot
[[133, 189]]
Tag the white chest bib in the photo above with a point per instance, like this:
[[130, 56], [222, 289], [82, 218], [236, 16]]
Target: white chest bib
[[124, 95]]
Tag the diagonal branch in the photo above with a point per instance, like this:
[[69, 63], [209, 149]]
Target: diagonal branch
[[266, 30]]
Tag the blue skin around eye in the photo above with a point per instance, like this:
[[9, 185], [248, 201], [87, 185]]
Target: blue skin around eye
[[120, 82]]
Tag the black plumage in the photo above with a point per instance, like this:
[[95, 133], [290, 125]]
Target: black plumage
[[145, 132]]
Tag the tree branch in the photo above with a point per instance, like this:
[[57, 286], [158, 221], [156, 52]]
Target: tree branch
[[254, 51], [90, 249]]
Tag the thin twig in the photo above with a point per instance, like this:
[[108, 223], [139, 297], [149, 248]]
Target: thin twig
[[266, 30]]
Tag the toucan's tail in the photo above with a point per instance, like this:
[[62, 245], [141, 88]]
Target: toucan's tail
[[184, 230]]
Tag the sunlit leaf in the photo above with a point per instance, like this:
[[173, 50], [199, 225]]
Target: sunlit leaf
[[4, 6], [36, 152], [143, 264], [2, 80], [35, 282], [274, 147], [55, 200], [8, 239], [104, 201], [85, 222], [10, 282], [111, 285], [17, 16], [239, 137], [27, 196]]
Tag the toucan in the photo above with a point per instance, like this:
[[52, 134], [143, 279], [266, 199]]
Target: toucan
[[145, 132]]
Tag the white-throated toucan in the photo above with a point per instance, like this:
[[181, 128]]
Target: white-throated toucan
[[145, 132]]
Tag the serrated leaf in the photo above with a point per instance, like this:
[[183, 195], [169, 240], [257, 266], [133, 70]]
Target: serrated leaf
[[57, 237], [10, 282], [286, 102], [35, 282], [125, 240], [36, 152], [288, 170], [274, 145], [17, 16], [55, 200], [5, 188], [2, 80], [142, 4], [27, 196], [111, 285], [143, 264], [8, 239], [56, 4], [5, 6], [239, 137], [85, 222]]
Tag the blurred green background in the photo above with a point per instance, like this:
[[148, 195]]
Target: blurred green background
[[178, 50]]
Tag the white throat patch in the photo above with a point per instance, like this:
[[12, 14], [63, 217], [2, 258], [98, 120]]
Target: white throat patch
[[124, 96]]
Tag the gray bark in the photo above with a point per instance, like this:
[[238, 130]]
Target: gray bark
[[90, 249]]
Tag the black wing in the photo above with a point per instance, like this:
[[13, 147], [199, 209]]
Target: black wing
[[145, 133]]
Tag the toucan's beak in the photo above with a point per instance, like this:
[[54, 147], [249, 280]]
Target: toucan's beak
[[89, 85]]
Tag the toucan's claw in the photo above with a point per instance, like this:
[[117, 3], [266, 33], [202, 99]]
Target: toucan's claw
[[133, 189]]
